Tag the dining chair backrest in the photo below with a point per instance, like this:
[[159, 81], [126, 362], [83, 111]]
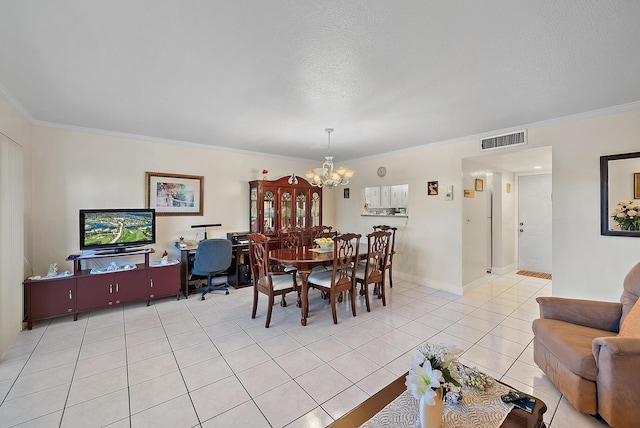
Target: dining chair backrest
[[259, 258], [392, 250], [377, 256], [346, 252], [291, 237], [316, 232]]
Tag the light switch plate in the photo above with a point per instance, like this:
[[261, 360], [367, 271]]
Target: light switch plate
[[449, 195]]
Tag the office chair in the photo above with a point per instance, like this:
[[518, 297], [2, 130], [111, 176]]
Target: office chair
[[213, 257]]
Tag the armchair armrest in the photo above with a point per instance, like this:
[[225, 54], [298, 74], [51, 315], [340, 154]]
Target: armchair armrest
[[589, 313], [622, 347], [618, 361]]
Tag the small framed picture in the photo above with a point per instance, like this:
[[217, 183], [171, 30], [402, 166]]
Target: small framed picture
[[432, 187], [346, 193], [479, 185], [468, 193], [508, 187], [636, 185]]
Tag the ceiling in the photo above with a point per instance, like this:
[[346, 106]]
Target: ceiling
[[270, 76]]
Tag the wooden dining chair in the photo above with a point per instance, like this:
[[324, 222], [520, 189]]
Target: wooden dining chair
[[341, 278], [392, 250], [316, 232], [373, 270], [265, 280], [291, 237]]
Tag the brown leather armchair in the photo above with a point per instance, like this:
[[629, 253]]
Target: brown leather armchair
[[576, 345]]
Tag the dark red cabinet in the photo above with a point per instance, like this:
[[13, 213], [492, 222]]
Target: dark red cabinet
[[52, 297]]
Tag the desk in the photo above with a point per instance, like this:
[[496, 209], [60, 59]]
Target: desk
[[517, 418], [238, 274], [306, 258]]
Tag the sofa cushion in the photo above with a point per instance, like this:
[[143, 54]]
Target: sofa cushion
[[570, 344], [631, 291], [631, 325]]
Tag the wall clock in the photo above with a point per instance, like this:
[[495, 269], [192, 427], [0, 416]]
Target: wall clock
[[382, 171]]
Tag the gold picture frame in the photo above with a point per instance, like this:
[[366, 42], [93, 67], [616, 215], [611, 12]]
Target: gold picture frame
[[479, 185], [636, 185], [175, 194]]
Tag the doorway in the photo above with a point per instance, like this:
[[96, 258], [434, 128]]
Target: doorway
[[502, 237], [534, 222]]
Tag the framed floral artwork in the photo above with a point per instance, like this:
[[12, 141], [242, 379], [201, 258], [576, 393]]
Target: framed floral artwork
[[175, 194]]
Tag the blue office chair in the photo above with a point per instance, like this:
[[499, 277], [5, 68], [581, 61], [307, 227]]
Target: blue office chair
[[213, 257]]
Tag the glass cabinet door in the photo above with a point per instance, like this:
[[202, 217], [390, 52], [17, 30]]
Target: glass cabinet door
[[301, 208], [316, 206], [285, 209], [253, 210], [269, 208]]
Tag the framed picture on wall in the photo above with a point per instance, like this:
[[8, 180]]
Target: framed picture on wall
[[175, 194], [432, 187], [479, 185], [636, 185]]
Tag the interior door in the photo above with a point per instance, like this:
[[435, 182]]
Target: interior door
[[534, 223]]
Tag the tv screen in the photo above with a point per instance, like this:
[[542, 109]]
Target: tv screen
[[117, 229]]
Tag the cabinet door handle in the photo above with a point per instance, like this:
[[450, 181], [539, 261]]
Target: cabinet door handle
[[152, 283], [70, 295], [110, 288], [116, 287]]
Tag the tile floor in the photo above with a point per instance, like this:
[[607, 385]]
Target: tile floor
[[193, 363]]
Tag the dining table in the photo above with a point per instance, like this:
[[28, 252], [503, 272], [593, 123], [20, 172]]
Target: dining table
[[305, 258]]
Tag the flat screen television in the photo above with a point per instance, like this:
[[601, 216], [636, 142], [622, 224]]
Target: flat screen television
[[116, 230]]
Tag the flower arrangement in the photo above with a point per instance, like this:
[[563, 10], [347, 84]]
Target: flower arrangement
[[627, 215], [431, 369], [264, 173]]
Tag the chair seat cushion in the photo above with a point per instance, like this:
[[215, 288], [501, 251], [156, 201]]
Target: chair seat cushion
[[280, 282], [322, 279], [570, 344]]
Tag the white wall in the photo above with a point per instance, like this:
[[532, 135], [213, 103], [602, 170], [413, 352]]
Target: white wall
[[429, 241], [505, 222], [80, 170], [429, 244], [475, 222], [586, 264]]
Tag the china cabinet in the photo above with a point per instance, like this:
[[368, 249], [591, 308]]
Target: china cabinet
[[276, 204]]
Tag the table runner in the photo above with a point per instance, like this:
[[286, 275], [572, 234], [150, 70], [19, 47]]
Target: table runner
[[479, 409]]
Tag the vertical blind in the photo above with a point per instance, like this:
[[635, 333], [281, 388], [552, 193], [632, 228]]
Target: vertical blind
[[11, 239]]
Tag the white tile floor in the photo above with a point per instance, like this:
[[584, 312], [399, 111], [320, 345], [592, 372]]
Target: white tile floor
[[191, 363]]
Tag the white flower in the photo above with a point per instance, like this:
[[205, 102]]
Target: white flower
[[421, 380]]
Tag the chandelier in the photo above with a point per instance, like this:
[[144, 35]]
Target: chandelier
[[326, 176]]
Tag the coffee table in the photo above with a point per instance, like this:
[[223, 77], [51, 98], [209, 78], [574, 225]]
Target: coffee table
[[517, 418]]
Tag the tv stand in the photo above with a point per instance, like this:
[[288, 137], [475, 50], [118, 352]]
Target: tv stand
[[84, 291]]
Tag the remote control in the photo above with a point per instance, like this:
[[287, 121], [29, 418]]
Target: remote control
[[512, 396]]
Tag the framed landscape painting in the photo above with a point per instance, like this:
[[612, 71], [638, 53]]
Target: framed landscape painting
[[175, 194]]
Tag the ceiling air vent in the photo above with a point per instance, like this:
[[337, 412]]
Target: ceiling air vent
[[504, 140]]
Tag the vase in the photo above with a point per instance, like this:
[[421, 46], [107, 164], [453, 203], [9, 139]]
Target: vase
[[431, 415]]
